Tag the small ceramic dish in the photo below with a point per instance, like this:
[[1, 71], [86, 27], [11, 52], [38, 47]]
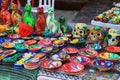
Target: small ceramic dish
[[30, 42], [7, 45], [103, 65], [72, 68], [61, 56], [58, 43], [18, 41], [46, 49], [45, 42], [114, 49], [50, 64], [21, 47], [80, 59], [109, 56], [13, 36], [90, 53], [70, 50], [27, 55], [77, 40], [34, 48]]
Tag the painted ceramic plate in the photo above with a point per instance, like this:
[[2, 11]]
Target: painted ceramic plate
[[18, 41], [28, 55], [80, 59], [61, 56], [9, 52], [90, 53], [30, 42], [45, 42], [115, 49], [13, 36], [46, 49], [34, 48], [70, 50], [50, 64], [7, 45], [21, 47], [72, 67], [109, 56]]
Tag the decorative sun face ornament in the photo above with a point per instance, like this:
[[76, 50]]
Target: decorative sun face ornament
[[97, 34], [113, 37], [80, 30]]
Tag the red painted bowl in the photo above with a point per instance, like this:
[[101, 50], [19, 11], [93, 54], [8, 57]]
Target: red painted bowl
[[114, 49], [70, 50], [13, 36], [45, 42], [90, 53], [72, 68], [80, 59], [30, 42], [50, 64]]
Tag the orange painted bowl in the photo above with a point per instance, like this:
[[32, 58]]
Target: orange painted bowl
[[109, 56], [114, 49], [50, 64], [72, 68], [7, 45], [30, 42], [80, 59], [61, 56], [34, 48], [13, 36], [71, 50], [90, 53]]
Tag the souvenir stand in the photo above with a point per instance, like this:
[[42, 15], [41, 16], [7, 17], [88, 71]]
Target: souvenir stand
[[37, 48]]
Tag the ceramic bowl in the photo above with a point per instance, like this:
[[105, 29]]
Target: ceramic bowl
[[45, 42], [70, 50], [34, 48], [20, 41], [61, 56], [90, 53], [30, 42], [46, 49], [50, 64], [58, 43], [109, 56], [13, 36], [103, 65], [72, 68], [27, 55], [8, 45], [21, 47], [9, 52], [114, 49], [80, 59]]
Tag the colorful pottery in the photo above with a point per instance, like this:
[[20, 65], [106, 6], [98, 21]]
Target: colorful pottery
[[45, 42], [27, 18], [72, 68], [58, 43], [30, 42], [40, 21], [77, 40], [80, 59], [50, 64], [13, 36], [21, 47], [103, 65], [34, 48], [46, 49], [96, 34], [3, 40], [1, 51], [90, 53], [64, 38], [52, 24], [65, 28], [16, 17], [18, 41], [109, 56], [7, 45], [80, 30], [61, 56], [71, 50], [114, 49]]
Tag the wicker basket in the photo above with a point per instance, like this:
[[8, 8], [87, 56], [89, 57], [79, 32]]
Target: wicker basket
[[25, 30]]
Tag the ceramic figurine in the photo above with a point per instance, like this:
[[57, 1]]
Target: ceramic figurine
[[113, 37], [65, 28], [27, 18], [80, 30], [52, 24], [4, 13], [97, 34], [40, 21], [16, 18]]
